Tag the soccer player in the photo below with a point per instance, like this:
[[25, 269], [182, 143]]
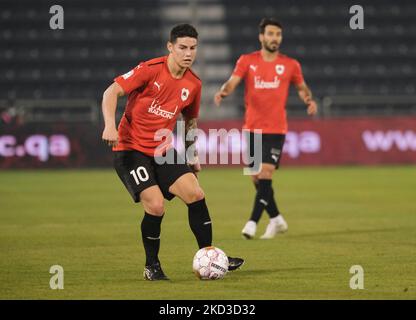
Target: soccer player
[[159, 90], [267, 74]]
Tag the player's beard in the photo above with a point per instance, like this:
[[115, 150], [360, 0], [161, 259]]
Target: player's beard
[[271, 49]]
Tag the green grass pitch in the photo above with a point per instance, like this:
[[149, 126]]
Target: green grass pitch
[[86, 222]]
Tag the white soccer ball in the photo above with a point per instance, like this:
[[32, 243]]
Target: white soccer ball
[[210, 263]]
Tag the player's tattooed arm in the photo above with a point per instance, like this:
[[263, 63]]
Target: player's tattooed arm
[[190, 144], [305, 94]]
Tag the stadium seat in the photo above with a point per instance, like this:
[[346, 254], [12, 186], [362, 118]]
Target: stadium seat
[[103, 39]]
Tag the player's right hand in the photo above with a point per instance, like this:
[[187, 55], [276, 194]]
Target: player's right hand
[[218, 98], [110, 136], [312, 107]]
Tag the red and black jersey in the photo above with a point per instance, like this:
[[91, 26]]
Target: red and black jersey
[[155, 100], [266, 89]]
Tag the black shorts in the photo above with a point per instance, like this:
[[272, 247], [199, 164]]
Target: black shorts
[[138, 172], [271, 149]]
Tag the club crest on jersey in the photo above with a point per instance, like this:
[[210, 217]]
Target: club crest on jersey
[[280, 69], [184, 94]]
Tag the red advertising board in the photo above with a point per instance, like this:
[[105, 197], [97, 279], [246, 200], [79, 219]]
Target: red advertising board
[[53, 146], [366, 141], [345, 141]]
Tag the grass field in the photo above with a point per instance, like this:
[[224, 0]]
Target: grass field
[[86, 222]]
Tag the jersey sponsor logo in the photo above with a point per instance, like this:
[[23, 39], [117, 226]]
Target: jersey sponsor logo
[[253, 67], [280, 69], [184, 94], [157, 109], [259, 83]]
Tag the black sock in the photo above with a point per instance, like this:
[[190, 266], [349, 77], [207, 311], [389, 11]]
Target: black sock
[[200, 223], [151, 237], [263, 195], [271, 207]]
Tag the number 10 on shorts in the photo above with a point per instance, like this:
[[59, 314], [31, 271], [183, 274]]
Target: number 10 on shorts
[[140, 174]]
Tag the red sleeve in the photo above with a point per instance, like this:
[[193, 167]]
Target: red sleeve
[[241, 67], [192, 111], [297, 76], [135, 78]]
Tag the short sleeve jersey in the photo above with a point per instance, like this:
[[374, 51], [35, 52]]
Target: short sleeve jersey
[[266, 89], [155, 100]]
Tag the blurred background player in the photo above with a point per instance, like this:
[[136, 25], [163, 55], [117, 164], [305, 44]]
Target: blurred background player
[[267, 74], [159, 90]]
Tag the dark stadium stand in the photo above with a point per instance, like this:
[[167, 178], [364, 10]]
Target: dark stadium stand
[[97, 43], [337, 60], [104, 38]]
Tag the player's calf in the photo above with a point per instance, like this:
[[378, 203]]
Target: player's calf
[[200, 223]]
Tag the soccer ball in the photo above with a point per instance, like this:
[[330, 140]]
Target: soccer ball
[[210, 263]]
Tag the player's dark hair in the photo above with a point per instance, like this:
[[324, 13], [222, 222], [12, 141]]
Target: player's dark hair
[[182, 30], [267, 22]]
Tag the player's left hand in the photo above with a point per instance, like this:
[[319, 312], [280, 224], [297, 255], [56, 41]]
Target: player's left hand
[[312, 108]]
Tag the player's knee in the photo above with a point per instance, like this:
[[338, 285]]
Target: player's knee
[[266, 173], [196, 194], [154, 207]]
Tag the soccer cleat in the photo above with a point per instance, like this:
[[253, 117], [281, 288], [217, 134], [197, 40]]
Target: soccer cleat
[[234, 263], [154, 272], [249, 230], [275, 226]]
